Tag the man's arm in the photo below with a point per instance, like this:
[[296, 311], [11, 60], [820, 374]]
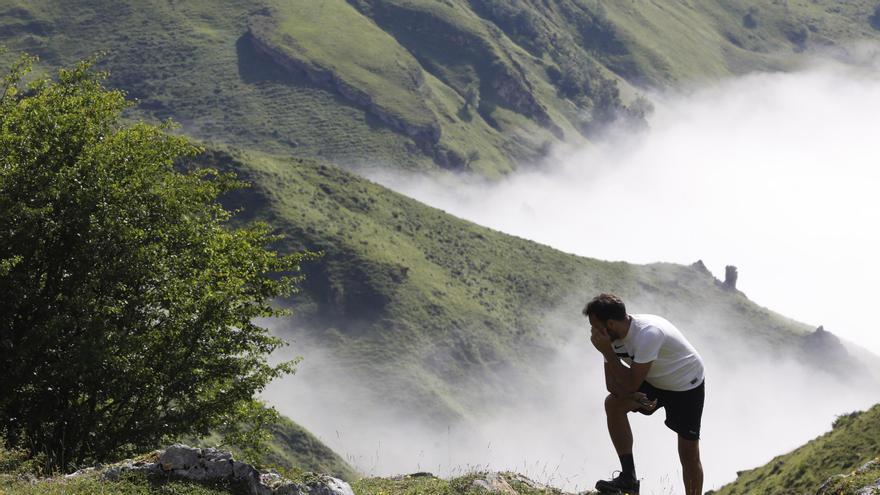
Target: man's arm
[[609, 380], [622, 381], [619, 380]]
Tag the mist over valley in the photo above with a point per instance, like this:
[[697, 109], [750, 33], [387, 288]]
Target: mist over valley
[[447, 183], [770, 172]]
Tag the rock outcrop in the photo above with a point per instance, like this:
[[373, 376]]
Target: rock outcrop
[[730, 276], [829, 354], [493, 483], [215, 466], [863, 481], [701, 267]]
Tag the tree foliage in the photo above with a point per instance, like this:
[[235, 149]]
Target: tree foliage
[[127, 301]]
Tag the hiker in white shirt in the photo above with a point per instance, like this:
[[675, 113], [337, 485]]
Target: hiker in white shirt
[[648, 365]]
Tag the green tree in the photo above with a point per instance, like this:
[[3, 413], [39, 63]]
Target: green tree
[[127, 300]]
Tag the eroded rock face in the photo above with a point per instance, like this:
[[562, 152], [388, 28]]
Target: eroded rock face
[[212, 465]]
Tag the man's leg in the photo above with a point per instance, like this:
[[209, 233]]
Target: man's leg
[[691, 467], [616, 409]]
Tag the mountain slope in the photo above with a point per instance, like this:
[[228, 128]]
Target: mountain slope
[[854, 440], [444, 315], [463, 84], [292, 447]]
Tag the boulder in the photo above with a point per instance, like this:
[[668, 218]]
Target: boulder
[[179, 457], [328, 485]]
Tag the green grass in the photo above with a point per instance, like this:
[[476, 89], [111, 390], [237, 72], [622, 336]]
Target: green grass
[[854, 440], [193, 61], [293, 449], [425, 484], [417, 60], [713, 40], [333, 36], [92, 483]]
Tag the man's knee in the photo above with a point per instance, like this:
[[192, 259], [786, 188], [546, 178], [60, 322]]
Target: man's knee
[[616, 405]]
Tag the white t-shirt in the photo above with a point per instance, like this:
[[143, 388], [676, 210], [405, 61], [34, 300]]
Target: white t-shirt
[[677, 365]]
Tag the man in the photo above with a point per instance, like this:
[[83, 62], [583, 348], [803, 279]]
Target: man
[[662, 370]]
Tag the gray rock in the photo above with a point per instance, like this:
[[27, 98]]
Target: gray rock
[[80, 472], [289, 489], [195, 473], [329, 485], [179, 457], [869, 466], [219, 468], [529, 483], [834, 483], [113, 472], [182, 461], [493, 483], [241, 470], [873, 489]]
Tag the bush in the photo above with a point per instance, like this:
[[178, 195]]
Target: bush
[[126, 300]]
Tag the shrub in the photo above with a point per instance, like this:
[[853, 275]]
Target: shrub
[[126, 299]]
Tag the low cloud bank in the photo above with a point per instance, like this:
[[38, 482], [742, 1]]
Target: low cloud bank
[[778, 174], [755, 410]]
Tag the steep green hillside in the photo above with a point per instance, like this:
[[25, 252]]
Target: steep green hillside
[[854, 440], [463, 84], [438, 311], [292, 447]]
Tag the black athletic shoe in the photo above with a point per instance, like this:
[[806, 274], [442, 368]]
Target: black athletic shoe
[[620, 485]]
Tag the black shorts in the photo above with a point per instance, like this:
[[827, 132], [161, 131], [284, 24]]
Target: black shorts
[[684, 410]]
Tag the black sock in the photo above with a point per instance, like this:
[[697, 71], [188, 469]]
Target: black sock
[[628, 465]]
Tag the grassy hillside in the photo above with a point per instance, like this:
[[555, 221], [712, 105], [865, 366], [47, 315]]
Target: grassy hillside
[[439, 311], [463, 84], [292, 447], [854, 440]]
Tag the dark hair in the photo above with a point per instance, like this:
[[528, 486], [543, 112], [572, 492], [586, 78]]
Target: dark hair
[[606, 307]]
